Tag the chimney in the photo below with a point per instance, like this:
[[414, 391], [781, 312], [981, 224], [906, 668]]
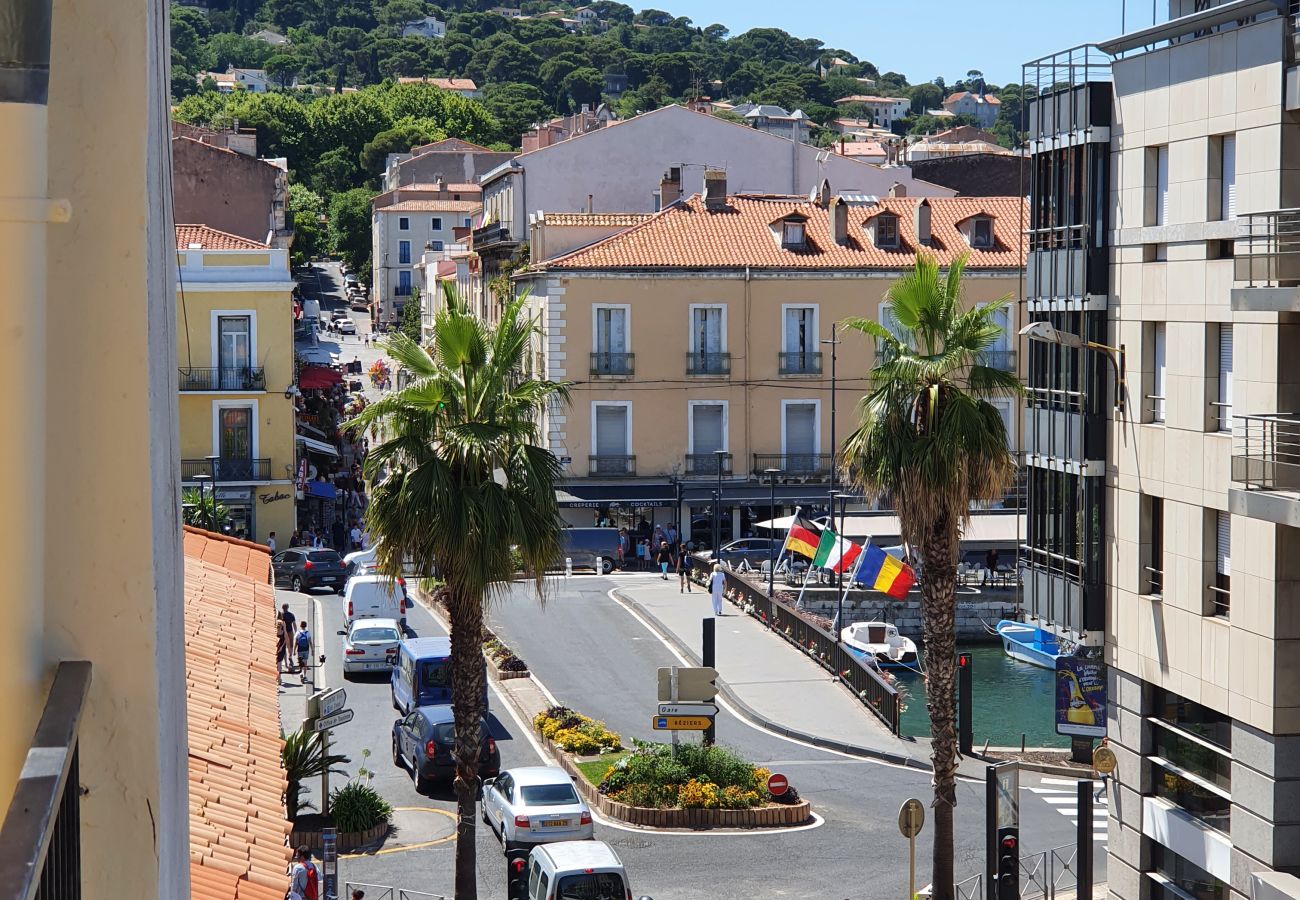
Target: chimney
[[839, 217], [921, 220], [670, 188], [715, 189], [898, 190]]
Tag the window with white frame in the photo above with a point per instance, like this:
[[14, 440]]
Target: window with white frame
[[1227, 176], [1223, 402], [800, 438], [981, 233], [891, 324], [1159, 373], [610, 341], [436, 223], [887, 231], [1162, 185], [611, 438], [708, 436], [435, 245], [1221, 590], [404, 253], [792, 235], [404, 284]]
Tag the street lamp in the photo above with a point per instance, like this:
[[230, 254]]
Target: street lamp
[[1046, 333], [719, 457], [834, 342], [771, 548], [202, 480]]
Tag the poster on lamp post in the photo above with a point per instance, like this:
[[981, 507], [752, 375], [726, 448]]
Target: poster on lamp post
[[1080, 697]]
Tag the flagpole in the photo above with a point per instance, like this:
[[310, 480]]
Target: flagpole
[[771, 576], [857, 564]]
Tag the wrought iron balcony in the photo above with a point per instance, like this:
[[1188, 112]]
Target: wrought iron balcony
[[999, 359], [228, 469], [708, 363], [708, 463], [240, 378], [40, 841], [800, 362], [615, 364], [604, 464], [794, 465]]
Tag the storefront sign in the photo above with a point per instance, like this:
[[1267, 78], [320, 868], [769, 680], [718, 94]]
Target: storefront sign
[[273, 497], [244, 495], [1080, 696]]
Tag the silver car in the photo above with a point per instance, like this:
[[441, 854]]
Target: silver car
[[535, 805], [371, 646]]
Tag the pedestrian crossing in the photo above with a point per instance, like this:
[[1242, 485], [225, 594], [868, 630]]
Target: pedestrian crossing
[[1062, 795]]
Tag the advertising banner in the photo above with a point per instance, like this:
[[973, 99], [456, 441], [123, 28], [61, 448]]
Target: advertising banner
[[1080, 697]]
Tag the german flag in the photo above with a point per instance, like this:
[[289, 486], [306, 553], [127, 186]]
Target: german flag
[[803, 537]]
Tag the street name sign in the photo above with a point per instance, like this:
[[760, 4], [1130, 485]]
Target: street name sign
[[332, 701], [334, 721], [681, 723], [687, 709]]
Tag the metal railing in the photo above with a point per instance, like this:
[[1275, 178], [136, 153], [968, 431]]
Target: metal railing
[[800, 362], [1155, 580], [1220, 601], [228, 469], [608, 363], [1004, 360], [970, 889], [387, 892], [40, 841], [708, 363], [1267, 253], [603, 464], [708, 463], [803, 465], [1266, 452], [243, 378], [867, 684], [1222, 415], [1155, 408]]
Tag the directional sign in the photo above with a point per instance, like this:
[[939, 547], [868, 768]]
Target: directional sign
[[332, 701], [687, 709], [695, 684], [681, 723], [334, 721]]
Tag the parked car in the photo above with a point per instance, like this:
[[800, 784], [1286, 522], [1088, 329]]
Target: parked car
[[423, 741], [534, 805], [346, 326], [583, 545], [339, 313], [358, 303], [305, 569], [576, 869], [755, 550], [371, 646], [374, 597]]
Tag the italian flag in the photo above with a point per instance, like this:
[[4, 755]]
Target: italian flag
[[836, 553]]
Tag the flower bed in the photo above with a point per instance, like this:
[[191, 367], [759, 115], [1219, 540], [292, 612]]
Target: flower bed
[[502, 659], [575, 733]]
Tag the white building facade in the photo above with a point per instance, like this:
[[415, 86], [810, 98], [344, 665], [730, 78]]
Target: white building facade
[[401, 233]]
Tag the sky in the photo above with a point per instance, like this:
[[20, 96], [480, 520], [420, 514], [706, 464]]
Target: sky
[[923, 39]]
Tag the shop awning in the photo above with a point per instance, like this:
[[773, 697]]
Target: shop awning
[[986, 529], [321, 489], [316, 446], [318, 377], [315, 354]]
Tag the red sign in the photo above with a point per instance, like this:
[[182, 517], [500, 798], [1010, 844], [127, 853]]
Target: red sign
[[777, 785]]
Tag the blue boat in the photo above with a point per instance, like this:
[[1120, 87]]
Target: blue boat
[[1029, 644]]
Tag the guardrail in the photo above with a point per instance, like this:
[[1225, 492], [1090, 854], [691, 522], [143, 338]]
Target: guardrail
[[1266, 451], [799, 465], [230, 378], [1268, 251], [228, 469], [708, 463], [708, 363], [609, 363], [386, 892]]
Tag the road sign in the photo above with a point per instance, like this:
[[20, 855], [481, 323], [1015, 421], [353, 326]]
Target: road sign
[[777, 784], [681, 723], [695, 684], [911, 816], [1103, 760], [687, 709], [334, 721], [332, 701]]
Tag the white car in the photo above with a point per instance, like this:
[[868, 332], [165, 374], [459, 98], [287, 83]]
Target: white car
[[346, 326], [535, 805], [371, 646], [373, 597]]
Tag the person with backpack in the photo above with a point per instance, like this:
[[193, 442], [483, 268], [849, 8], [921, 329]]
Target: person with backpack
[[684, 565], [304, 879], [303, 644]]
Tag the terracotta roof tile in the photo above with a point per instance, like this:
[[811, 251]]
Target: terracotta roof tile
[[434, 206], [688, 236], [598, 220], [212, 239]]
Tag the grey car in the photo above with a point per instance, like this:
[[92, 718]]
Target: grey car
[[755, 551]]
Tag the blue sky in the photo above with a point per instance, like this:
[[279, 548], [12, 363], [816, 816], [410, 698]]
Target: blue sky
[[925, 38]]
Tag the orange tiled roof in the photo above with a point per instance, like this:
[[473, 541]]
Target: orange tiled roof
[[688, 236], [868, 98], [212, 239], [433, 206], [238, 828], [446, 84], [599, 220]]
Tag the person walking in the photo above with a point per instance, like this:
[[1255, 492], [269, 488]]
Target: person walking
[[270, 542], [664, 556], [304, 879], [303, 645], [281, 645], [717, 584], [643, 555], [684, 565]]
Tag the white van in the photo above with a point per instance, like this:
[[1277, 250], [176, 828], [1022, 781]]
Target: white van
[[576, 870], [373, 597]]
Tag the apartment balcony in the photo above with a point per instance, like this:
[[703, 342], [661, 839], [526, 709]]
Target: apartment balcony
[[612, 365], [40, 841], [1267, 258], [612, 466], [708, 363], [492, 236], [244, 379], [1004, 360], [708, 464], [800, 362], [804, 466], [228, 469], [1266, 462]]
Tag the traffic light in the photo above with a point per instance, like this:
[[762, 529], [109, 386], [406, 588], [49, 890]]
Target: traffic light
[[695, 684], [1008, 864], [963, 660], [517, 874]]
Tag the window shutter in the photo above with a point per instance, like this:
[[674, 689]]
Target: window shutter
[[1225, 377], [618, 330], [1223, 544], [1162, 186], [611, 430], [707, 428], [1229, 179], [1158, 358]]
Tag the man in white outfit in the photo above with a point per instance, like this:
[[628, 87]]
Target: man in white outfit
[[717, 584]]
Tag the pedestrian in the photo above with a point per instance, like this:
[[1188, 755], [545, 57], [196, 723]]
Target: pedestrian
[[355, 535], [295, 539], [270, 542], [303, 644], [684, 565], [643, 555], [717, 584], [304, 880], [624, 545], [671, 533], [664, 556], [990, 565], [287, 617], [281, 645]]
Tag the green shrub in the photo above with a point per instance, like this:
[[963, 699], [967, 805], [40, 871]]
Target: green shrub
[[708, 777], [357, 806]]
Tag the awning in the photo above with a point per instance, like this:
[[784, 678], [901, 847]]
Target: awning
[[316, 354], [986, 529], [319, 377], [321, 489], [316, 446], [627, 496]]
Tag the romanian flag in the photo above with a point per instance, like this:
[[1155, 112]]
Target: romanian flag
[[879, 571], [802, 538], [836, 553]]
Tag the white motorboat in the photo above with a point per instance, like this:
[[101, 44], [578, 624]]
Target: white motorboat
[[881, 642]]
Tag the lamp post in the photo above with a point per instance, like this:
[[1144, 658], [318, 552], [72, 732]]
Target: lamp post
[[834, 495], [839, 584], [719, 457], [203, 479], [834, 344], [1046, 333], [771, 549]]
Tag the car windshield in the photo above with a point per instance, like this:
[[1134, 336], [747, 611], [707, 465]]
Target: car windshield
[[435, 673], [445, 732], [323, 556], [591, 886], [550, 795], [375, 635]]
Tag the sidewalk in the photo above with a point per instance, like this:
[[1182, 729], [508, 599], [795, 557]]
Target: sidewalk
[[767, 679]]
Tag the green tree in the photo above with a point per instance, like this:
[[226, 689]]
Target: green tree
[[404, 135], [410, 323], [925, 96], [929, 438], [461, 481], [283, 67], [307, 209], [583, 86], [227, 50], [202, 509], [516, 107], [303, 756], [349, 230]]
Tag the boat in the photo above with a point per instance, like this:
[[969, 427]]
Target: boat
[[881, 642], [1029, 644]]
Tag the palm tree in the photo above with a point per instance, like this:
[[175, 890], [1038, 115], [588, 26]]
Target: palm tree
[[929, 438], [202, 509], [458, 481], [303, 756]]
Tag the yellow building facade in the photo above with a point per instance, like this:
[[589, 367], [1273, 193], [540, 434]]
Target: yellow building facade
[[235, 365]]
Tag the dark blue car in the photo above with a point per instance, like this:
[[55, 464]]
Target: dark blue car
[[423, 742]]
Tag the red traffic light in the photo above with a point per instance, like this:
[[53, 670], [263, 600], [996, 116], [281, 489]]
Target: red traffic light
[[519, 865], [1009, 843], [963, 660]]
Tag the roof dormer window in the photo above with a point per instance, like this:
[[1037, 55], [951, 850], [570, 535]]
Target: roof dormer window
[[793, 236], [887, 231], [981, 233]]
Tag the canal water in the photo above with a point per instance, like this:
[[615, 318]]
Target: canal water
[[1011, 699]]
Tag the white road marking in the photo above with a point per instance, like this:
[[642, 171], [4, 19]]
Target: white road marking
[[1066, 802]]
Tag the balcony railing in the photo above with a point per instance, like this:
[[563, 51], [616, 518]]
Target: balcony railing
[[1268, 252], [708, 463], [708, 363], [620, 364], [229, 469], [800, 362], [1266, 452], [603, 464], [1004, 360], [242, 378], [801, 465], [40, 841]]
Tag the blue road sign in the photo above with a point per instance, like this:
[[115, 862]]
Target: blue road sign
[[661, 723]]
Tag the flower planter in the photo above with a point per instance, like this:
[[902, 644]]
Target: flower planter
[[348, 841]]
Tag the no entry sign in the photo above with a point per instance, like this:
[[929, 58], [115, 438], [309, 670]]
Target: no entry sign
[[777, 784]]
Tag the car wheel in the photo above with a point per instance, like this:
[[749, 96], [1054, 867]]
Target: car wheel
[[606, 565], [510, 845], [397, 756], [296, 584], [421, 784]]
